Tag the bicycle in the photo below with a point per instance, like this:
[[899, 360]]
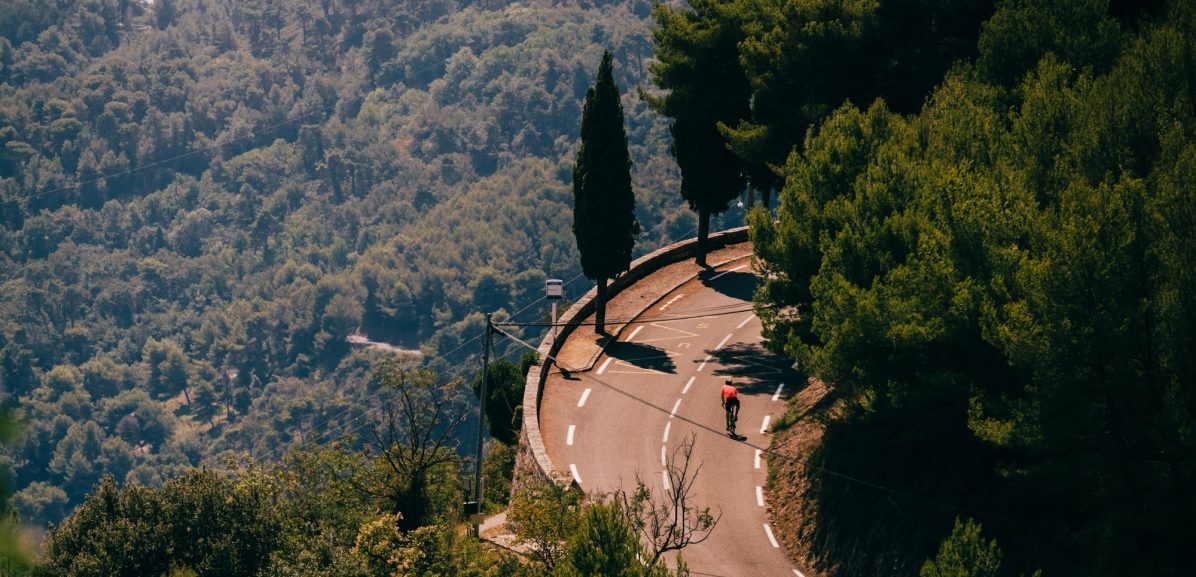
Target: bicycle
[[732, 409]]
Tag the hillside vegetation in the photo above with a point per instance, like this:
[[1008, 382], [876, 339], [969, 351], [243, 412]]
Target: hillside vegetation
[[997, 293], [201, 199]]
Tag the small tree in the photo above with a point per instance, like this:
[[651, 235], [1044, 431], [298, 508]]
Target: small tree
[[206, 404], [504, 394], [415, 444], [605, 545], [670, 522], [964, 553], [542, 516], [603, 202]]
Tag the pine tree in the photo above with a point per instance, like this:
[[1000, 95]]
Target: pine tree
[[603, 202]]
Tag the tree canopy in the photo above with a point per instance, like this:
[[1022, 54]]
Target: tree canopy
[[995, 281], [202, 199]]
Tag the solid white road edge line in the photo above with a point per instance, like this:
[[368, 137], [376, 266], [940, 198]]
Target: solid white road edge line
[[569, 437], [667, 424], [728, 271], [703, 365], [777, 394], [633, 333], [584, 395], [688, 384], [676, 406], [576, 475], [759, 495], [605, 364], [745, 321], [764, 425], [771, 539], [757, 458], [723, 342]]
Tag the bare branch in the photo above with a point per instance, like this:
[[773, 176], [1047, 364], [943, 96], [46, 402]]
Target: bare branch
[[670, 521]]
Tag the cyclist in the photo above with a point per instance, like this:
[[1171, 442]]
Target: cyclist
[[730, 400]]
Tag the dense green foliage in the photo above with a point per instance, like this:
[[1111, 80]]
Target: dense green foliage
[[200, 199], [964, 553], [504, 396], [999, 290], [569, 535], [307, 518], [603, 203], [200, 521]]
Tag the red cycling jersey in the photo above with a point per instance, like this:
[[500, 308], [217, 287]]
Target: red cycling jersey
[[730, 392]]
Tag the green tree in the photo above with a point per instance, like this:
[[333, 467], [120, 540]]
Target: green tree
[[208, 523], [504, 391], [698, 65], [542, 516], [415, 471], [205, 403], [964, 553], [605, 544], [604, 221]]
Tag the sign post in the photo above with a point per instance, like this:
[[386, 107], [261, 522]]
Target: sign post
[[554, 290]]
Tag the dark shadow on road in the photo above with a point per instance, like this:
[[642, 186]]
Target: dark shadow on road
[[643, 356], [737, 284], [755, 370]]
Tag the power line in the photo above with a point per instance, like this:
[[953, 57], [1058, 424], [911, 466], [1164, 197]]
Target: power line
[[763, 449], [641, 320]]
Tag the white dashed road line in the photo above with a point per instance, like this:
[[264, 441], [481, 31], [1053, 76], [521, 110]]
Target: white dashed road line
[[584, 395], [671, 301], [764, 425], [703, 365], [676, 406], [798, 573], [757, 458], [635, 332], [664, 477], [667, 425], [605, 364], [723, 342], [569, 437], [771, 539], [745, 321], [759, 495], [576, 475], [777, 394], [688, 384]]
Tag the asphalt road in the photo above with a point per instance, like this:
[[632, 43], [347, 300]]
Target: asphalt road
[[658, 386]]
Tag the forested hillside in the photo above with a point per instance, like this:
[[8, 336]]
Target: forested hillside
[[201, 199]]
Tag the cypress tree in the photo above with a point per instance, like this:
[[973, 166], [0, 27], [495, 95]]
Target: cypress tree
[[698, 63], [603, 202]]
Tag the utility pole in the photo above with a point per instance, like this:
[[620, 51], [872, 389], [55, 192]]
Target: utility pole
[[477, 465]]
